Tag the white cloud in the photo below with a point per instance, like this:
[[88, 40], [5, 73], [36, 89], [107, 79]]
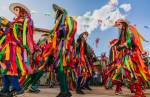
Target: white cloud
[[34, 12], [113, 2], [103, 17], [126, 7]]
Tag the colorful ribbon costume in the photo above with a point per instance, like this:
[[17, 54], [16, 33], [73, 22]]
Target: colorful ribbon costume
[[127, 65]]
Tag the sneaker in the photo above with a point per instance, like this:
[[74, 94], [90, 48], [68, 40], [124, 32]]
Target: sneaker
[[34, 90]]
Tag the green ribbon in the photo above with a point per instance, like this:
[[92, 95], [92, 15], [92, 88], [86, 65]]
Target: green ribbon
[[15, 30], [61, 60], [70, 25], [2, 39], [25, 31], [2, 52]]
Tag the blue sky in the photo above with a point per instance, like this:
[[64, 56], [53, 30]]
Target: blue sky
[[138, 15]]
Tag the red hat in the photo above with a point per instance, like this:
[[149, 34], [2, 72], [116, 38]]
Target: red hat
[[113, 41]]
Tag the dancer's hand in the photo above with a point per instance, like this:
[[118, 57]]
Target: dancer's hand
[[145, 53]]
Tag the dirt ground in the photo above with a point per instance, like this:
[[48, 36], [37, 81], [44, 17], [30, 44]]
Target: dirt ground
[[96, 92]]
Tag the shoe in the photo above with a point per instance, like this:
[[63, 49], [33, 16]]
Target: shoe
[[64, 95], [59, 95], [132, 88], [132, 91], [51, 86], [34, 90], [21, 92], [88, 88], [118, 92], [69, 94], [79, 92], [3, 94], [4, 91], [139, 91], [83, 88]]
